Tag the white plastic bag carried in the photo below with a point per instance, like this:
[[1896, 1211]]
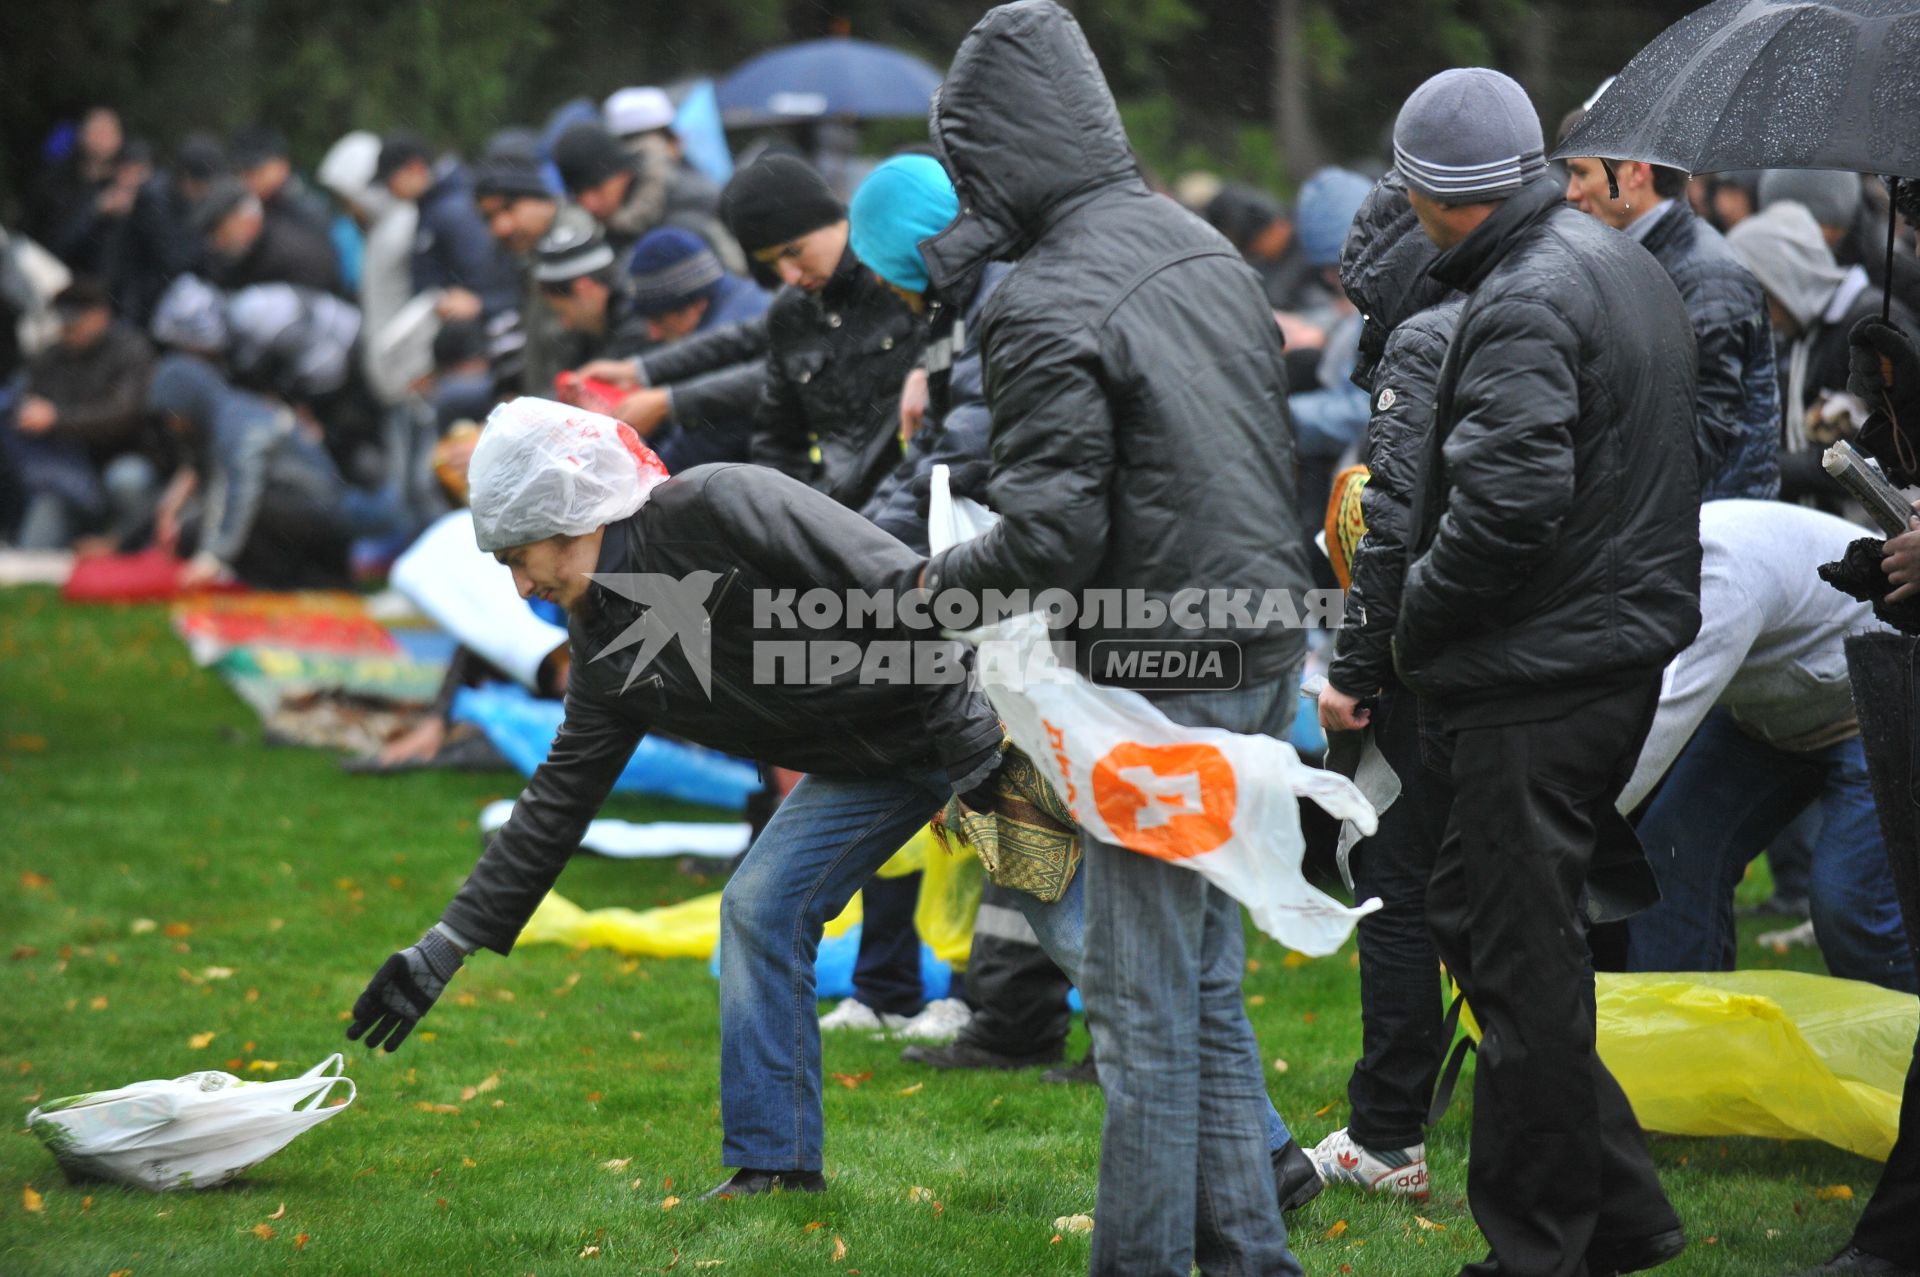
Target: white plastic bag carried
[[1217, 802], [186, 1132]]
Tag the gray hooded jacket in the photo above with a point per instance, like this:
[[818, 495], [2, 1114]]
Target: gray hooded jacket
[[1140, 436]]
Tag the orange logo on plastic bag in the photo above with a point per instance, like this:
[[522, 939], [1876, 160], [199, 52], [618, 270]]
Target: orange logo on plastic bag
[[1167, 801]]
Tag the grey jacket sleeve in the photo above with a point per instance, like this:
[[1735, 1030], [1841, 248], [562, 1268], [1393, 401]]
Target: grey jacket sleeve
[[239, 484], [728, 394], [1508, 467], [705, 352], [1397, 437], [548, 821], [1053, 461]]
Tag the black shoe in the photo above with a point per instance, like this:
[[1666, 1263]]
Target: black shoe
[[1071, 1074], [747, 1182], [1858, 1262], [1295, 1176], [962, 1055], [1611, 1258]]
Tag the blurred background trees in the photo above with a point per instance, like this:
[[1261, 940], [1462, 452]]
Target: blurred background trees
[[1263, 90]]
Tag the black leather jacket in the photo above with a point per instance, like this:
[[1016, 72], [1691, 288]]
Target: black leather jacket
[[748, 530]]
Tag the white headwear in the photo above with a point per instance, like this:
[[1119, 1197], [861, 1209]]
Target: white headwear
[[640, 109], [544, 469]]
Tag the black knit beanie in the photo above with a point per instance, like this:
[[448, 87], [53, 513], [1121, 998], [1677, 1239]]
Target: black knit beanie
[[588, 155], [775, 200]]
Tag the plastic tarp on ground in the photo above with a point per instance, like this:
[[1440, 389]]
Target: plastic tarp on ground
[[1778, 1054], [949, 898], [522, 727]]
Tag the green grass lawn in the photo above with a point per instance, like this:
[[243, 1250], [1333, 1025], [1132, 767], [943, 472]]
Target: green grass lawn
[[134, 787]]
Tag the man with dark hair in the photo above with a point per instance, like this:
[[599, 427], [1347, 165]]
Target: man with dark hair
[[626, 195], [1554, 570], [840, 342], [84, 455], [1737, 405], [261, 159], [519, 210], [452, 249], [1259, 227], [245, 247]]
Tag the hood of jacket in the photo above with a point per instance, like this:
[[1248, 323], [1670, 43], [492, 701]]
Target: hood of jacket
[[184, 386], [1783, 247], [1383, 267], [1026, 125]]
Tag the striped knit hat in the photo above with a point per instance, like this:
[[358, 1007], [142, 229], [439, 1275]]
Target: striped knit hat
[[671, 267], [1468, 135]]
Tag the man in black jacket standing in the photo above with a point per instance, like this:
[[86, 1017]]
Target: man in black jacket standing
[[1140, 444], [1554, 571]]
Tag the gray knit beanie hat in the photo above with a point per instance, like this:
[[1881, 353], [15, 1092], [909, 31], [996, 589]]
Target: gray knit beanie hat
[[1468, 135]]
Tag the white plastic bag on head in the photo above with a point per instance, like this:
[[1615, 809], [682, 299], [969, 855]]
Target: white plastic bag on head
[[186, 1132], [544, 469], [1222, 804]]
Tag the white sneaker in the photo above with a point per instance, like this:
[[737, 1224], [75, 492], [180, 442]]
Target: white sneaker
[[941, 1021], [855, 1014], [1397, 1170]]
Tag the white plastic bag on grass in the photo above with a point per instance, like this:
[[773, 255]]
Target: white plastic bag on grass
[[1217, 802], [186, 1132]]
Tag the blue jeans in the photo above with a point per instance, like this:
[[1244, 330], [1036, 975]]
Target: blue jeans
[[1185, 1175], [822, 845], [1061, 928], [1727, 796]]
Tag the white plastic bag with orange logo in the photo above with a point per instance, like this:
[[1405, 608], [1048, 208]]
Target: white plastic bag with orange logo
[[1217, 802]]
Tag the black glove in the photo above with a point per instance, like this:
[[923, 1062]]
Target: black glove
[[964, 479], [1873, 347], [404, 989], [1860, 575]]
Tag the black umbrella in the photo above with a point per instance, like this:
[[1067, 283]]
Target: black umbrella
[[1825, 84]]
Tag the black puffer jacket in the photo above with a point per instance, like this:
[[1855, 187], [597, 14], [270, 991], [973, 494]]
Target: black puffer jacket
[[835, 362], [1737, 403], [1133, 369], [751, 530], [1410, 318], [1557, 519]]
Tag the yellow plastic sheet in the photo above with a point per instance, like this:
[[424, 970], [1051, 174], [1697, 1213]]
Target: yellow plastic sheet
[[1778, 1054], [949, 897]]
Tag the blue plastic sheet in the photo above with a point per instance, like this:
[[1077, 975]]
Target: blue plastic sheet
[[522, 727], [833, 967]]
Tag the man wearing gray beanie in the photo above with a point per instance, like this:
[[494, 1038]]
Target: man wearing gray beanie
[[1554, 570]]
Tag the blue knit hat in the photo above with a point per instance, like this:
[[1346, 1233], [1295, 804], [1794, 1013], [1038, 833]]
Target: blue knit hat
[[908, 199], [670, 267], [1326, 210]]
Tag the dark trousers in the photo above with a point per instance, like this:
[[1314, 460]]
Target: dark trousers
[[886, 976], [1885, 669], [1402, 1042], [1019, 996], [1558, 1165]]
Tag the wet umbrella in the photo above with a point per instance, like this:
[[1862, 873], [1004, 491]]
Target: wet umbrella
[[835, 77], [1741, 84]]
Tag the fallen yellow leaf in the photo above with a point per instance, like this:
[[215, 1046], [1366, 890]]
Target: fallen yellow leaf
[[919, 1194], [669, 1203], [198, 1041], [708, 1263], [177, 930], [217, 973], [1074, 1224], [1054, 1240], [86, 1204], [264, 1066], [615, 1164], [811, 1226], [589, 1252], [33, 1201], [140, 926], [98, 1004], [1428, 1224], [281, 1213], [1339, 1227], [1325, 1109], [1279, 1066], [1295, 960], [301, 1241], [1257, 1000], [488, 1083], [468, 1162], [1837, 1193], [427, 1107], [121, 1272], [263, 1231], [839, 1250], [33, 881], [852, 1080], [915, 1089]]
